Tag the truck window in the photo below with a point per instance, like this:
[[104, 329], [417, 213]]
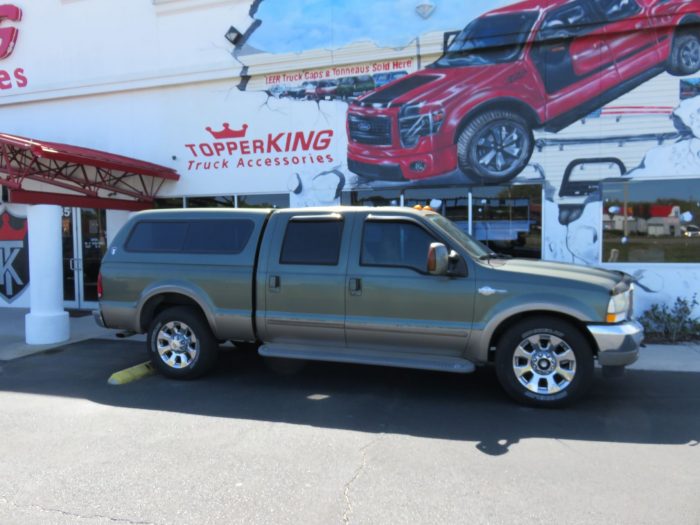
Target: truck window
[[218, 236], [397, 244], [312, 242]]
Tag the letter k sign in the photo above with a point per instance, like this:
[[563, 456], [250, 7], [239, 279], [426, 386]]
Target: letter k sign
[[8, 35]]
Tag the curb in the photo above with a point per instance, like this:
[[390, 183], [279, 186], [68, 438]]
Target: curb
[[134, 373]]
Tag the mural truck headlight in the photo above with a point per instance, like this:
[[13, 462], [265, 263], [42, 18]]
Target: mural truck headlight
[[620, 306], [416, 121]]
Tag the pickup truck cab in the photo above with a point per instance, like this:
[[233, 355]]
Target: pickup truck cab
[[384, 286]]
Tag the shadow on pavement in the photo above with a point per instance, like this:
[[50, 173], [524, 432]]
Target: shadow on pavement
[[642, 407]]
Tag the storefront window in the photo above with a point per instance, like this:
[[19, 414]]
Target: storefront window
[[225, 201], [269, 200], [453, 203], [169, 203], [651, 221], [371, 198], [509, 219]]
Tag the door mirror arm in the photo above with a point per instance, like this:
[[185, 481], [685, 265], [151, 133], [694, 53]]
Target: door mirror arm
[[457, 266]]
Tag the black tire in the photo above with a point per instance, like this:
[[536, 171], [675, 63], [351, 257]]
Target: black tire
[[485, 155], [557, 341], [685, 55], [192, 331]]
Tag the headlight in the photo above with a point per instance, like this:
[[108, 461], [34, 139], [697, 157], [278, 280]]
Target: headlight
[[620, 306], [416, 121]]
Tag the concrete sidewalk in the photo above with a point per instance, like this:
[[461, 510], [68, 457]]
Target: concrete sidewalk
[[666, 358], [13, 345]]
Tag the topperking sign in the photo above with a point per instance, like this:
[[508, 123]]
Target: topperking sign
[[14, 256]]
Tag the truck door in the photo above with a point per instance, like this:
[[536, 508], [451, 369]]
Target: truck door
[[632, 38], [305, 280], [572, 56], [393, 304]]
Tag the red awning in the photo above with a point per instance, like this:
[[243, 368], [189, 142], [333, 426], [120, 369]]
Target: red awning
[[84, 177]]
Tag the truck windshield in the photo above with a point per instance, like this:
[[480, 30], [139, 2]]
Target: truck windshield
[[489, 40], [474, 247]]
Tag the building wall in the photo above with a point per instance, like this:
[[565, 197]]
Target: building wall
[[158, 80]]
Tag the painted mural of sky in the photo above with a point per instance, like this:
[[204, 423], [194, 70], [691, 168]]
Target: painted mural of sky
[[289, 26]]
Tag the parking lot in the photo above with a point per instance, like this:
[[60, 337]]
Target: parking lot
[[270, 442]]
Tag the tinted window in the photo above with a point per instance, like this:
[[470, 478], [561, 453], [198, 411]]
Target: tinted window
[[312, 242], [205, 236], [395, 244], [613, 10], [489, 40], [157, 237], [566, 22], [218, 236]]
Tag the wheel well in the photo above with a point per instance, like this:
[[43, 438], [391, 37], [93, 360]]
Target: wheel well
[[688, 24], [507, 323], [158, 303], [501, 104]]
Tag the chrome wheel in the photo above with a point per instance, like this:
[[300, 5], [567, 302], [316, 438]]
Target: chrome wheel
[[690, 54], [544, 364], [177, 344], [500, 148]]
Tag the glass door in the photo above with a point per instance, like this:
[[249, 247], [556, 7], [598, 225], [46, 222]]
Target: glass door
[[84, 244]]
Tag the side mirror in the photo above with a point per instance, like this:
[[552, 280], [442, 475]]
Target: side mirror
[[438, 259]]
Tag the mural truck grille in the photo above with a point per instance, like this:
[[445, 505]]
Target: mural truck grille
[[370, 130]]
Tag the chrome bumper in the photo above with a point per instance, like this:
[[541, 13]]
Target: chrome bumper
[[618, 344]]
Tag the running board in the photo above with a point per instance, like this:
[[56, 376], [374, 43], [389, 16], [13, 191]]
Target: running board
[[368, 357]]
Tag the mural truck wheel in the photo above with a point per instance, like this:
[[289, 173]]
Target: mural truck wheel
[[685, 55], [544, 362], [494, 146]]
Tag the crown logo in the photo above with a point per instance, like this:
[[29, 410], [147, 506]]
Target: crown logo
[[228, 133], [8, 233]]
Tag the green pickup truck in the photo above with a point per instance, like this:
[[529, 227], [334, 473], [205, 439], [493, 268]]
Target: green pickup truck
[[382, 286]]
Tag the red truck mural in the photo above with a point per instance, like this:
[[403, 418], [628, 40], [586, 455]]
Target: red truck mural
[[537, 64]]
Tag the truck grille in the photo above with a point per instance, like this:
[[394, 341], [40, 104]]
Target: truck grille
[[370, 130]]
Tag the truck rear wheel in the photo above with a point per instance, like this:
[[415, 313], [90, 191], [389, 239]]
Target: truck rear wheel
[[544, 362], [494, 147], [685, 55], [181, 344]]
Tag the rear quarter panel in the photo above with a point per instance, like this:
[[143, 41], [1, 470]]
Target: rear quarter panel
[[222, 284]]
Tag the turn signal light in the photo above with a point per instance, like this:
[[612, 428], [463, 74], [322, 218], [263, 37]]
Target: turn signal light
[[99, 285]]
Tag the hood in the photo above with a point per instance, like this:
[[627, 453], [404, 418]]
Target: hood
[[606, 279], [434, 85]]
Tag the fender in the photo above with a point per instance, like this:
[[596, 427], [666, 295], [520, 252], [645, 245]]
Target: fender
[[187, 289], [470, 109], [478, 350]]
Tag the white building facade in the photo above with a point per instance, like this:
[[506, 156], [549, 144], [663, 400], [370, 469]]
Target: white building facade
[[252, 104]]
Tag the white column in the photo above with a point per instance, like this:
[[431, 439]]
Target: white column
[[46, 322], [115, 220]]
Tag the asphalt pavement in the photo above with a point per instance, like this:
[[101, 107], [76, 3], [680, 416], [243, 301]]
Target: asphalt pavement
[[263, 441]]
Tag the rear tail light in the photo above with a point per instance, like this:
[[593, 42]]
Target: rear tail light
[[99, 285]]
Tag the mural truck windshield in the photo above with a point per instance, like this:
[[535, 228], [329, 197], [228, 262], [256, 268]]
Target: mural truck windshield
[[489, 40]]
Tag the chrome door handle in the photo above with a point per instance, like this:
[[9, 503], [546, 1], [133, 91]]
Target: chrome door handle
[[355, 286], [487, 290], [274, 283]]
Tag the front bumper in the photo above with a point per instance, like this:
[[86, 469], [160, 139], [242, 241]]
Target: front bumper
[[618, 344]]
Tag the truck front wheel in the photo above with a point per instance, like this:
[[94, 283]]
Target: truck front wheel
[[181, 344], [544, 362], [494, 146]]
